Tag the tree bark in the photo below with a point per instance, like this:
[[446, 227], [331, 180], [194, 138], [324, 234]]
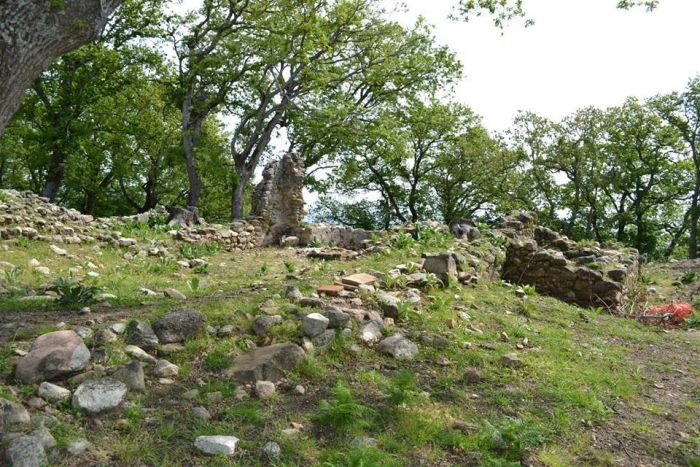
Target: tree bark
[[237, 197], [33, 33]]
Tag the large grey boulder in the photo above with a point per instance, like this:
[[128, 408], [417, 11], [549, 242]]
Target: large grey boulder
[[263, 324], [53, 355], [266, 363], [99, 395], [140, 333], [179, 326], [398, 347]]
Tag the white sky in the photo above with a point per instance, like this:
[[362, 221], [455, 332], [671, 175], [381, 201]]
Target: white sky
[[578, 53]]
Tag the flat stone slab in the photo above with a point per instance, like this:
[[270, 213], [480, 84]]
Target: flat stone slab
[[266, 363], [398, 347], [359, 279], [332, 290]]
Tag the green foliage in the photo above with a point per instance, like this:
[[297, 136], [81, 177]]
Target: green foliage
[[315, 243], [510, 440], [162, 265], [72, 292], [9, 277], [402, 241], [290, 266], [401, 388], [194, 283], [198, 250], [342, 412], [688, 277], [201, 268]]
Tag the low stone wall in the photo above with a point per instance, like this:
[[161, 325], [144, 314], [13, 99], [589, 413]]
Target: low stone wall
[[589, 276], [338, 235], [238, 236]]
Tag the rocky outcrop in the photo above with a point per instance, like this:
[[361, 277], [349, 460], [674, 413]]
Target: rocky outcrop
[[278, 199], [589, 276]]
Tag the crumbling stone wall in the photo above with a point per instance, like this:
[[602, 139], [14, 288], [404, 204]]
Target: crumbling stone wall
[[338, 235], [278, 200], [589, 276]]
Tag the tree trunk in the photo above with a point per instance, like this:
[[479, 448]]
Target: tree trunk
[[54, 178], [237, 196], [694, 217], [191, 130], [34, 33]]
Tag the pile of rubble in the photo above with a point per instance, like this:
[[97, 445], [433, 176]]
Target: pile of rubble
[[589, 276]]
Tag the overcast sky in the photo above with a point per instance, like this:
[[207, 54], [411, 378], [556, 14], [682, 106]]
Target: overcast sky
[[578, 53]]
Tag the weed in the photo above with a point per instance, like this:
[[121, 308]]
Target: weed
[[201, 268], [71, 292], [9, 277], [248, 413], [217, 359], [403, 241], [290, 266], [688, 277], [342, 412], [23, 242], [315, 243], [401, 388], [193, 283], [162, 266]]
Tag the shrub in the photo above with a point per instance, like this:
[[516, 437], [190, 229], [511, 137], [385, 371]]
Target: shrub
[[401, 388], [688, 277], [290, 266]]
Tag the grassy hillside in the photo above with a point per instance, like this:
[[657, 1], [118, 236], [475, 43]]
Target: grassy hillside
[[578, 387]]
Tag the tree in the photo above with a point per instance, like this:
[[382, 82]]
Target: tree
[[212, 56], [35, 33], [682, 112]]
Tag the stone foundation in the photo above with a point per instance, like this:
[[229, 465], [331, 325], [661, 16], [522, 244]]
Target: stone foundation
[[338, 235], [588, 276]]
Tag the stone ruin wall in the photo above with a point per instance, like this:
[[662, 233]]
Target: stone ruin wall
[[31, 216], [588, 276]]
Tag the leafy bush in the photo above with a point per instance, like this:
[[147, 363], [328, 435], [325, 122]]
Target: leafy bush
[[430, 237], [342, 412], [161, 266], [315, 243], [510, 440], [72, 292], [201, 268], [10, 276], [197, 250]]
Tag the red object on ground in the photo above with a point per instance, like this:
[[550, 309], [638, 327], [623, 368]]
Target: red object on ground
[[677, 312]]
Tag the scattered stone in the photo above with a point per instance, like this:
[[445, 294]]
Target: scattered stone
[[359, 279], [311, 302], [266, 363], [201, 413], [398, 347], [99, 395], [57, 250], [53, 355], [332, 290], [314, 324], [289, 241], [26, 451], [337, 318], [216, 396], [78, 447], [371, 332], [132, 375], [174, 293], [12, 416], [299, 389], [165, 369], [226, 330], [272, 450], [388, 304], [106, 336], [240, 393], [364, 441], [139, 354], [511, 360], [472, 376], [53, 393], [442, 265], [217, 445], [264, 389], [179, 326], [263, 324], [191, 394], [83, 331], [43, 270], [118, 328], [140, 334], [293, 293]]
